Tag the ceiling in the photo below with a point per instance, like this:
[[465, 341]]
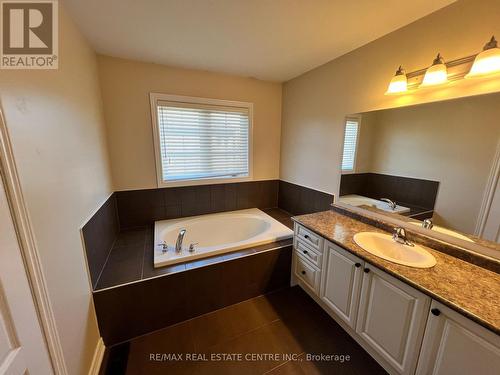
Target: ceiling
[[272, 40]]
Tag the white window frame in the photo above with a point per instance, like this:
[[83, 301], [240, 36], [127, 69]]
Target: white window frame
[[358, 120], [157, 97]]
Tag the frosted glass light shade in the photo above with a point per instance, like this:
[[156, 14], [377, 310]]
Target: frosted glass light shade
[[487, 62], [398, 84], [436, 74]]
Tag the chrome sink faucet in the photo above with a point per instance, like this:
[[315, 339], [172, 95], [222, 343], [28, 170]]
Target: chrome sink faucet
[[391, 203], [399, 236], [180, 238]]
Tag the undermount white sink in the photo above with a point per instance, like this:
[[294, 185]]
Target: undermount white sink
[[383, 246], [448, 232]]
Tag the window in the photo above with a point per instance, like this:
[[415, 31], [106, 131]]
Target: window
[[201, 140], [350, 144]]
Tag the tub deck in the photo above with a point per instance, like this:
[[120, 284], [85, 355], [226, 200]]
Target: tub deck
[[131, 258]]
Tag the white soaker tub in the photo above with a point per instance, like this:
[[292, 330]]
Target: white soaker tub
[[215, 234]]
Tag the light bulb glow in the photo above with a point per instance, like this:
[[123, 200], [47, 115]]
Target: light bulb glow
[[485, 64], [398, 85], [435, 75]]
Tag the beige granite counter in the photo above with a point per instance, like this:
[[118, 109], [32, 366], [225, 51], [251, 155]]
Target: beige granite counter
[[469, 289]]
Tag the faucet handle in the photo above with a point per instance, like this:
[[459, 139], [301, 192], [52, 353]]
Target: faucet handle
[[191, 246], [427, 224], [164, 247]]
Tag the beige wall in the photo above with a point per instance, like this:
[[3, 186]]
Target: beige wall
[[125, 89], [316, 103], [57, 131], [452, 142]]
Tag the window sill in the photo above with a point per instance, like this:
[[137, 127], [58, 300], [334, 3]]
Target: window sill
[[204, 181]]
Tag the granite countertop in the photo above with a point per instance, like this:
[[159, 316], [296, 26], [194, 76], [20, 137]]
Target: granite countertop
[[469, 289]]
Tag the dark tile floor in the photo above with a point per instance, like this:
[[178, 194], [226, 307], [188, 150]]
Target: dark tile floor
[[131, 258], [286, 324]]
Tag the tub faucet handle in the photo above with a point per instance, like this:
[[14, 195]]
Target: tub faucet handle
[[164, 247]]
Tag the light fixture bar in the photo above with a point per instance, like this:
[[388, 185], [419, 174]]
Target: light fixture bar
[[457, 69]]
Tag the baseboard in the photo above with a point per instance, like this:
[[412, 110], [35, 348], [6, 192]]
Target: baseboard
[[95, 366]]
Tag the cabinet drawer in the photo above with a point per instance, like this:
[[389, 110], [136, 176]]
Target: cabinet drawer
[[307, 273], [310, 238], [305, 251]]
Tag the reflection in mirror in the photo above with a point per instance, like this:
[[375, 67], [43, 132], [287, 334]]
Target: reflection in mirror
[[434, 165]]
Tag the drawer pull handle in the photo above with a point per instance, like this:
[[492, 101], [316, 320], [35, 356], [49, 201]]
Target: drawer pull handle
[[303, 272], [305, 252], [366, 270], [357, 265], [306, 236], [435, 312]]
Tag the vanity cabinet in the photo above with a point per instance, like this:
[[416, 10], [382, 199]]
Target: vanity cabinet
[[394, 322], [308, 258], [455, 345], [391, 318], [341, 282]]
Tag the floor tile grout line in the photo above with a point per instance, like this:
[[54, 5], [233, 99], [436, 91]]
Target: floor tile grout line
[[240, 334], [281, 364]]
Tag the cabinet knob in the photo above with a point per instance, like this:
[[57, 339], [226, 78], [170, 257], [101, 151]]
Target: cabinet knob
[[303, 272], [357, 265], [435, 312], [366, 270], [306, 236]]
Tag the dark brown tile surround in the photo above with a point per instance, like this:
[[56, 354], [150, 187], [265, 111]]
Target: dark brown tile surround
[[131, 258], [272, 323], [99, 234], [138, 208], [471, 290], [134, 309], [299, 200]]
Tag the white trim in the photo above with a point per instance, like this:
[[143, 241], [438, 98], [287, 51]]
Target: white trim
[[95, 366], [489, 193], [29, 250], [155, 97]]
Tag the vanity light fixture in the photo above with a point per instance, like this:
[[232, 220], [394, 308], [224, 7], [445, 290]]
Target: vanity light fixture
[[436, 74], [399, 83], [483, 64], [487, 62]]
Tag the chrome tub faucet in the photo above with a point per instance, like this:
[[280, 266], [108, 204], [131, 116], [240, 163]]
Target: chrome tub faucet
[[390, 202], [180, 238]]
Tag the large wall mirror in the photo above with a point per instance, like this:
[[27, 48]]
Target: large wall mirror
[[435, 166]]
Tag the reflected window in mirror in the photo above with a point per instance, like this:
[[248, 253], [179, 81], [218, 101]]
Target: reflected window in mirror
[[351, 136]]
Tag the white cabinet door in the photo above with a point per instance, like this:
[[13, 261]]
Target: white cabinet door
[[391, 318], [455, 345], [341, 284]]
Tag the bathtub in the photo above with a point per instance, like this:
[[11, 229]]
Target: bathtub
[[359, 200], [215, 234]]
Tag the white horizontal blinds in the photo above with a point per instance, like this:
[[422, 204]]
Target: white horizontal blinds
[[202, 141], [350, 143]]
